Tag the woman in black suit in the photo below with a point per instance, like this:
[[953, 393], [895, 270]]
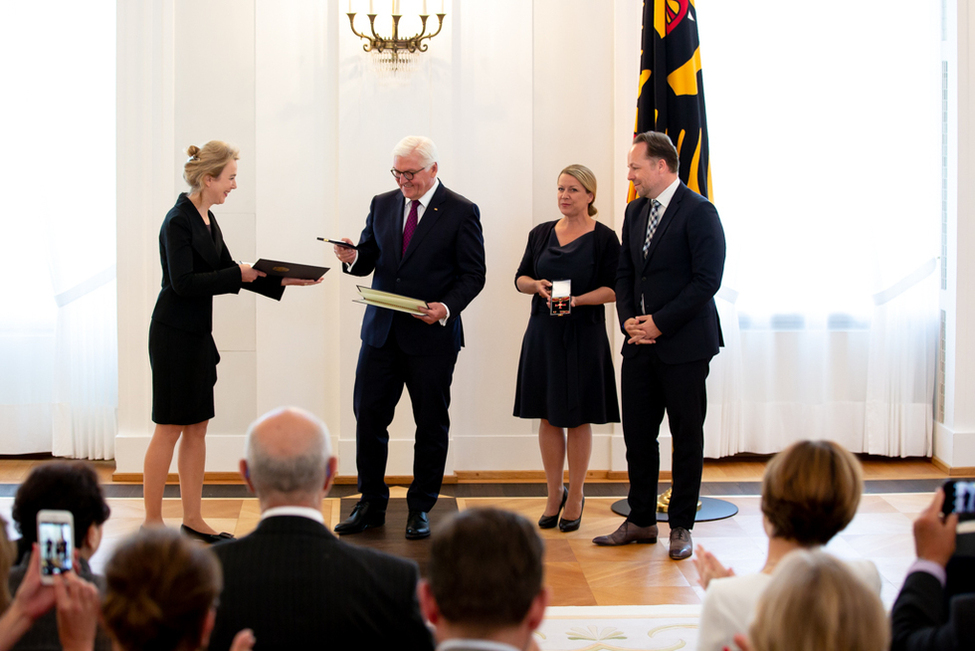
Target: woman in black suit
[[565, 375], [196, 265]]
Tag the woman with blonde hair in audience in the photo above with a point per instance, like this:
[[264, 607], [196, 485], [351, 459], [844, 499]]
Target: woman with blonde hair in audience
[[810, 492], [814, 602], [162, 592]]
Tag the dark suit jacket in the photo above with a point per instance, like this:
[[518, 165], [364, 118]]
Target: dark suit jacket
[[444, 263], [299, 587], [678, 280], [921, 620], [195, 267]]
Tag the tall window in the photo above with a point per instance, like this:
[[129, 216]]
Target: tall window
[[825, 147], [58, 388]]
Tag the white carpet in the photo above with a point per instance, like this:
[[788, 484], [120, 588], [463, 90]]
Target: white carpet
[[612, 628]]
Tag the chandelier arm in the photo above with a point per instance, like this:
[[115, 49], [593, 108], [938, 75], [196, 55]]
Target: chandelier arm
[[394, 43]]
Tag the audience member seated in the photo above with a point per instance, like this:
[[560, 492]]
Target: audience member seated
[[485, 590], [71, 486], [161, 594], [291, 581], [77, 602], [924, 617], [814, 602], [810, 492]]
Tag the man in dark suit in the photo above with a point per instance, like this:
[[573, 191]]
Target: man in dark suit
[[671, 261], [291, 581], [484, 589], [425, 242], [924, 618]]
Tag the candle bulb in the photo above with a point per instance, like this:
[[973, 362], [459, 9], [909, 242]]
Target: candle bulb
[[441, 6], [424, 7], [370, 7]]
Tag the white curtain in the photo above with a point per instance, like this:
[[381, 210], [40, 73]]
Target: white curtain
[[826, 158], [58, 329]]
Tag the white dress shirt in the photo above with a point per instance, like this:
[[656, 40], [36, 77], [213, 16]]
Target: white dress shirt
[[300, 511], [668, 193]]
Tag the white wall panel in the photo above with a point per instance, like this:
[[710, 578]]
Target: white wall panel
[[146, 188], [493, 167], [295, 150], [215, 92]]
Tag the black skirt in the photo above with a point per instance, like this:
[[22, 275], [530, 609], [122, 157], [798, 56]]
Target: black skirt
[[184, 370], [565, 374]]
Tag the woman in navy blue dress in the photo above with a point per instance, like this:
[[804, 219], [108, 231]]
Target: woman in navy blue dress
[[565, 374]]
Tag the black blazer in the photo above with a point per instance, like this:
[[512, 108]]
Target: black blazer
[[607, 258], [298, 587], [921, 620], [195, 267], [678, 280], [444, 263]]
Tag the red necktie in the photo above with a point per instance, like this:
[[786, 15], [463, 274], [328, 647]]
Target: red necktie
[[410, 225]]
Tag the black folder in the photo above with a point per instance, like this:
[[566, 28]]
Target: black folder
[[289, 269]]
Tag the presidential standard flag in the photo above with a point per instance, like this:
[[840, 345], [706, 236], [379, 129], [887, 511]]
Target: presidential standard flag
[[671, 95]]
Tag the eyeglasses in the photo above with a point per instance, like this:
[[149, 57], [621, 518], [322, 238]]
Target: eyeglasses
[[407, 175]]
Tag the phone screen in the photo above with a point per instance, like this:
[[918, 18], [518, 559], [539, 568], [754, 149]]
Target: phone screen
[[57, 547]]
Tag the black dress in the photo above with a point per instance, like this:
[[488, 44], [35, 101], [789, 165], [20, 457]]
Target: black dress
[[565, 374], [196, 265]]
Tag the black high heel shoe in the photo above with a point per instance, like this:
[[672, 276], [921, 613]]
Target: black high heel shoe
[[565, 526], [549, 521]]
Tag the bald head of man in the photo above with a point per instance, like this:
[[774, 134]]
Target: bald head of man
[[288, 459]]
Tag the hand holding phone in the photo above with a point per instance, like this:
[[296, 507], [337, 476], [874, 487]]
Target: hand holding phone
[[55, 537], [960, 499]]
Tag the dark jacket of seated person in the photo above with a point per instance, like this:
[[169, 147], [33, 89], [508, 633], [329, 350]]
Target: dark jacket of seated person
[[935, 610], [290, 581], [298, 587]]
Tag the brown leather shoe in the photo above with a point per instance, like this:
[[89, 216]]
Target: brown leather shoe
[[681, 546], [628, 533]]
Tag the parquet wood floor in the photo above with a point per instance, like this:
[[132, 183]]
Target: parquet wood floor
[[579, 572]]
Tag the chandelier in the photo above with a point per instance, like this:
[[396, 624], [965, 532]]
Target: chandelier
[[394, 53]]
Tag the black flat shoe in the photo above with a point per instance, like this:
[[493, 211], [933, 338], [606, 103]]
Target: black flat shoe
[[364, 515], [565, 526], [208, 538], [417, 525], [549, 521]]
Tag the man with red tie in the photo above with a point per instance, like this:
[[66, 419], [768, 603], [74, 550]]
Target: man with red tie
[[422, 241]]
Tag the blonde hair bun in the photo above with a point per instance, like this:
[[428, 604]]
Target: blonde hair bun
[[205, 161]]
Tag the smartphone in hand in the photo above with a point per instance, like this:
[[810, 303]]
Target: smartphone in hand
[[55, 536]]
